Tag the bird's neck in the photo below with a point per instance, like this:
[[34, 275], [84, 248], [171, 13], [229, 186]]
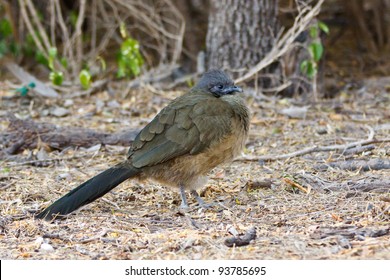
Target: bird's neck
[[239, 107]]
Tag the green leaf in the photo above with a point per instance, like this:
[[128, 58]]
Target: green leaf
[[5, 28], [53, 52], [56, 78], [64, 62], [85, 79], [323, 27], [316, 49], [121, 72], [40, 58], [303, 66], [313, 32], [311, 69], [129, 59], [52, 57]]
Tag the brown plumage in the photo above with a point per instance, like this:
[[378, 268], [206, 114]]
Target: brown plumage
[[193, 134]]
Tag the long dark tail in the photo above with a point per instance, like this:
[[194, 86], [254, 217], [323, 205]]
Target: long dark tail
[[89, 191]]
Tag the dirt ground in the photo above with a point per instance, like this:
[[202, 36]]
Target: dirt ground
[[330, 212], [332, 204]]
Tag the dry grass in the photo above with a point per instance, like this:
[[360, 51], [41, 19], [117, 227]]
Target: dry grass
[[140, 220]]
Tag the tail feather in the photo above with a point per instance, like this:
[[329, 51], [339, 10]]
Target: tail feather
[[89, 191]]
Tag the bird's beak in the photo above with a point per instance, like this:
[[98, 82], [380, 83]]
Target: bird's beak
[[232, 89]]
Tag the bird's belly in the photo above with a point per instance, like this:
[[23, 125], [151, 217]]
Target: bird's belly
[[190, 170]]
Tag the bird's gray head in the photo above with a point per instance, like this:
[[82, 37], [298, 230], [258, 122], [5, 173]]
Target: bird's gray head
[[217, 83]]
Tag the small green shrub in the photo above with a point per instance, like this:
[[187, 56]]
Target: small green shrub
[[56, 77], [129, 58], [85, 78], [316, 50]]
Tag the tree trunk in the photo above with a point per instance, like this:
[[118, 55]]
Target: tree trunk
[[240, 33], [195, 13]]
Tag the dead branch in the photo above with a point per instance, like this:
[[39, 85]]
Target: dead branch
[[314, 149], [358, 150], [105, 232], [341, 147], [26, 20], [349, 232], [366, 184], [38, 23], [27, 134], [159, 27], [362, 165], [77, 36]]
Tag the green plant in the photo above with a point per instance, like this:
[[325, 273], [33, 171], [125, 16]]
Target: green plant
[[129, 58], [5, 28], [56, 77], [7, 42], [85, 78], [316, 50]]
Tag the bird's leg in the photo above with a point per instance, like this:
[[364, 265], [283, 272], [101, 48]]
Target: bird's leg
[[200, 201], [184, 204]]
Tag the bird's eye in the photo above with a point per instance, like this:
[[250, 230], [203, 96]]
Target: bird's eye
[[220, 87]]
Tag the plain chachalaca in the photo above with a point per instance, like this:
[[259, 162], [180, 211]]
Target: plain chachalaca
[[196, 132]]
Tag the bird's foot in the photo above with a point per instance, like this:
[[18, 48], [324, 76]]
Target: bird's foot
[[184, 208], [206, 205], [201, 202]]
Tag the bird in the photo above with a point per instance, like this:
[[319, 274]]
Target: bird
[[199, 130]]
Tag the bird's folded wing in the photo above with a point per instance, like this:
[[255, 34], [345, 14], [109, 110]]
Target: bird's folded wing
[[184, 128]]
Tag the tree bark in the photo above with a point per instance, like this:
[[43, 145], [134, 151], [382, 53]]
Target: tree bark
[[195, 13], [240, 33]]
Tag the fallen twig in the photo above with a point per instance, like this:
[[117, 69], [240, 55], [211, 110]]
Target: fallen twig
[[105, 232], [363, 165], [314, 149], [366, 184], [7, 186], [349, 232], [358, 150], [296, 185]]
